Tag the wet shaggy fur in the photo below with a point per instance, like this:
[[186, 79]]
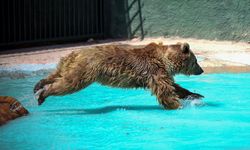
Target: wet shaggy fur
[[151, 67]]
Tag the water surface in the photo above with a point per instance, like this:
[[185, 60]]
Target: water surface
[[100, 117]]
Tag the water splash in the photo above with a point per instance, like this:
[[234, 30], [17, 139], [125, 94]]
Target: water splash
[[192, 103]]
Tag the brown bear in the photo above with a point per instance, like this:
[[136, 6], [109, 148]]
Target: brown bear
[[151, 67]]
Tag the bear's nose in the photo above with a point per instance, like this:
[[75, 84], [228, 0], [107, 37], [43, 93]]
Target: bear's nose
[[199, 71]]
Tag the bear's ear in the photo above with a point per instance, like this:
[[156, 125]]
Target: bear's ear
[[160, 43], [185, 47]]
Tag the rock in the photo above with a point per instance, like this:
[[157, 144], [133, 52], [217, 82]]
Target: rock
[[10, 109]]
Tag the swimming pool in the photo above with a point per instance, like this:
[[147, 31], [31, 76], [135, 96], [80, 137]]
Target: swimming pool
[[101, 117]]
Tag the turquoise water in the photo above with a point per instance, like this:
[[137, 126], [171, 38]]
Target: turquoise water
[[101, 117]]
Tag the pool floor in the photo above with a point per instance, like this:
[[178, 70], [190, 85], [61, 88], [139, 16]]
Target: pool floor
[[100, 117]]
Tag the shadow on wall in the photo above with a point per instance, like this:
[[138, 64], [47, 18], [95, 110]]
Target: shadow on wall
[[119, 17]]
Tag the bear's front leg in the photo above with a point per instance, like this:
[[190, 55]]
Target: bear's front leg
[[162, 87], [186, 94]]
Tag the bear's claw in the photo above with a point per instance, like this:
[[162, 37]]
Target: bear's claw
[[39, 96], [194, 96]]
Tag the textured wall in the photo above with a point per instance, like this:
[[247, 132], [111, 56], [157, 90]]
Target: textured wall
[[206, 19]]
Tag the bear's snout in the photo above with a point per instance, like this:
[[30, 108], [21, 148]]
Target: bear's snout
[[198, 71]]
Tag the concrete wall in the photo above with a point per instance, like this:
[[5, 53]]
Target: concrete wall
[[204, 19]]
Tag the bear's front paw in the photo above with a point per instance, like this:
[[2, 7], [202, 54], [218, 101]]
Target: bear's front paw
[[194, 96], [172, 103]]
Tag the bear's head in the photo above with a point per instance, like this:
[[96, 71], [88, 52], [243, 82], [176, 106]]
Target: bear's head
[[181, 59]]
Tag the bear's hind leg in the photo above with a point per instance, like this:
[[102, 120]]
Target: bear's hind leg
[[60, 87]]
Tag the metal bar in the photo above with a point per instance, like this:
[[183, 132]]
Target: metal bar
[[92, 16], [24, 21], [73, 17], [14, 20], [60, 19], [19, 16], [101, 16], [40, 19], [8, 20], [50, 19], [96, 16], [54, 19], [35, 22], [45, 19], [78, 17], [3, 24], [87, 17], [83, 17], [64, 17], [70, 19], [30, 18]]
